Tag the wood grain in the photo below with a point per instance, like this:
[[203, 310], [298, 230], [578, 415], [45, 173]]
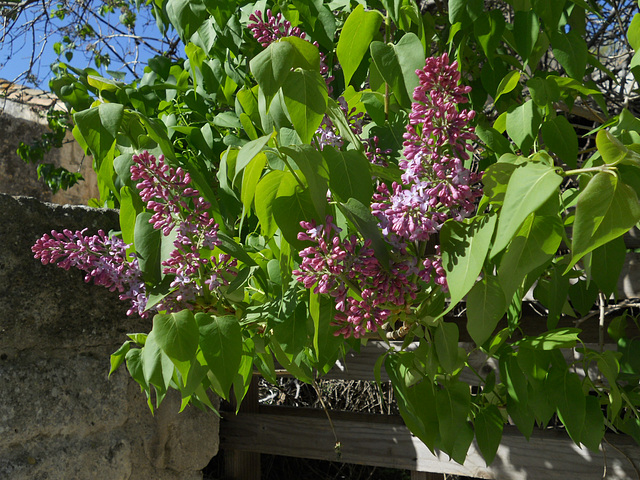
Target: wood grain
[[384, 441]]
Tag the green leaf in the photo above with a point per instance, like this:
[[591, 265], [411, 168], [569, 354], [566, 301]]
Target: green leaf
[[633, 34], [560, 138], [305, 95], [549, 12], [415, 400], [134, 365], [582, 295], [494, 140], [242, 380], [315, 173], [570, 50], [613, 152], [410, 53], [298, 365], [486, 304], [357, 33], [177, 334], [593, 429], [99, 126], [186, 16], [526, 28], [306, 54], [156, 366], [221, 344], [272, 66], [518, 395], [336, 115], [565, 390], [266, 192], [388, 65], [452, 405], [349, 174], [508, 83], [291, 206], [130, 206], [446, 342], [248, 153], [607, 208], [530, 186], [495, 180], [464, 248], [457, 11], [398, 63], [522, 124], [606, 265], [543, 91], [488, 30], [326, 345], [147, 242], [488, 427], [118, 356], [250, 179], [553, 339], [291, 333], [233, 248], [552, 292], [535, 243]]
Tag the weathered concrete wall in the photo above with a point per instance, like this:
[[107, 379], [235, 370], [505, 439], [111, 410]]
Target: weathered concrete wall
[[60, 417], [23, 119]]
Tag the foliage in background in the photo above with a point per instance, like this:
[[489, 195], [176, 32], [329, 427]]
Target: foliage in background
[[56, 178], [288, 130]]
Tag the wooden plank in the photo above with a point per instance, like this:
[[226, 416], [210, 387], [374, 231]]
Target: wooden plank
[[550, 454], [241, 462], [359, 366]]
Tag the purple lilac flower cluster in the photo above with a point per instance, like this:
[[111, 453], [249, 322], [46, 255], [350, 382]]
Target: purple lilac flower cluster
[[271, 28], [365, 293], [103, 258], [178, 209], [178, 206], [436, 185]]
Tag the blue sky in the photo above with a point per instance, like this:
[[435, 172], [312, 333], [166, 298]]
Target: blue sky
[[14, 61]]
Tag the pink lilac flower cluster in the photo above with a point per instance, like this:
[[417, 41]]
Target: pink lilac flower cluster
[[178, 206], [103, 258], [179, 210], [271, 28], [365, 293], [436, 185]]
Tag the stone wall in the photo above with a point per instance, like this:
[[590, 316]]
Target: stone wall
[[60, 416], [23, 119]]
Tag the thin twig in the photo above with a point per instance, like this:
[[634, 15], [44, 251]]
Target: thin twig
[[633, 465]]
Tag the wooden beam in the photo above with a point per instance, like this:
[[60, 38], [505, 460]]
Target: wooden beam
[[384, 441], [359, 365], [242, 462]]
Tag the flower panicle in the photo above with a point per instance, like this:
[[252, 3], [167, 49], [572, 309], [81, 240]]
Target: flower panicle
[[347, 270], [177, 207], [436, 184], [103, 259]]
